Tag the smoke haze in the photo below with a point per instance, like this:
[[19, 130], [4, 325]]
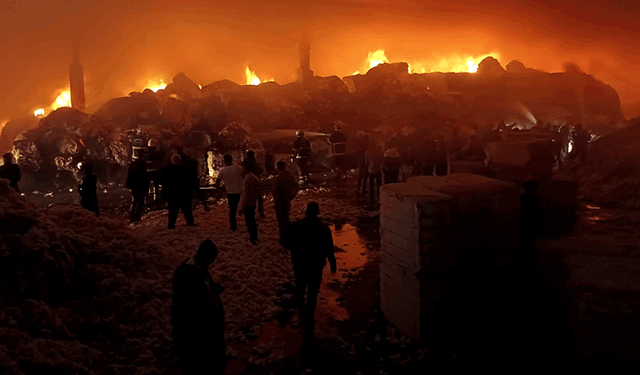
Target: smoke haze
[[124, 45]]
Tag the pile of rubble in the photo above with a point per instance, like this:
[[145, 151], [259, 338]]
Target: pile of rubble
[[611, 176]]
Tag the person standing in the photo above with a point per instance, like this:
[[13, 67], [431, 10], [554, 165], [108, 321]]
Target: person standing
[[392, 165], [138, 183], [10, 171], [375, 160], [301, 152], [363, 173], [89, 190], [231, 175], [177, 190], [250, 199], [284, 190], [197, 314], [311, 244], [339, 150]]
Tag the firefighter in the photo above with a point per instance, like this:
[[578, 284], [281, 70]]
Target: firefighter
[[581, 138], [339, 150], [301, 152]]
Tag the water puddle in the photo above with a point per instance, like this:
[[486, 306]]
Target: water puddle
[[284, 341], [594, 214], [351, 255]]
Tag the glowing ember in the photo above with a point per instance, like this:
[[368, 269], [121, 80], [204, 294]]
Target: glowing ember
[[38, 112], [252, 78], [156, 85], [376, 58]]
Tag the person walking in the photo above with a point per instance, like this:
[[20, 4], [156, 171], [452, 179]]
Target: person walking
[[10, 171], [89, 190], [301, 152], [197, 314], [375, 160], [250, 199], [138, 183], [231, 175], [177, 190], [363, 173], [311, 244], [285, 188]]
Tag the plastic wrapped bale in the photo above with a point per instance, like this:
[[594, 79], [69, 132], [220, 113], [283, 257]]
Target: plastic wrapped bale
[[421, 221]]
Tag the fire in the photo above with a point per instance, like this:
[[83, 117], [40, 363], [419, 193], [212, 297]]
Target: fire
[[38, 112], [63, 100], [376, 58], [252, 78], [155, 85], [454, 64], [473, 67]]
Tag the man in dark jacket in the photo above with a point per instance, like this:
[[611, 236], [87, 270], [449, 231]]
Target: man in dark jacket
[[138, 183], [177, 190], [285, 188], [89, 190], [311, 244], [197, 314], [10, 171]]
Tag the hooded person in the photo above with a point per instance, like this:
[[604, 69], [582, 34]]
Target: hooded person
[[197, 314]]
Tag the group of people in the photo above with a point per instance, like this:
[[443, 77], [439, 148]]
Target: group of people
[[197, 313]]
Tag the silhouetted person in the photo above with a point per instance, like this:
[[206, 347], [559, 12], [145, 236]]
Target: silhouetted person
[[155, 163], [473, 151], [581, 140], [231, 175], [197, 314], [339, 150], [284, 190], [10, 171], [426, 158], [301, 152], [138, 183], [311, 244], [251, 158], [375, 160], [89, 190], [250, 200], [455, 145], [392, 165], [440, 157], [363, 171], [177, 190], [191, 165]]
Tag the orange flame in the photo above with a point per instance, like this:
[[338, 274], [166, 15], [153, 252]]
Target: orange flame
[[155, 85], [253, 79], [454, 63]]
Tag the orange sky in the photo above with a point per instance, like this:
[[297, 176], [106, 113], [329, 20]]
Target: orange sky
[[125, 45]]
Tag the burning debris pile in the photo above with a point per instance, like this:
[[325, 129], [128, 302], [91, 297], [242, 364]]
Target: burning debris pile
[[387, 97]]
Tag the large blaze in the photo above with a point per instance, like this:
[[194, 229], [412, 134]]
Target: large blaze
[[448, 64]]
